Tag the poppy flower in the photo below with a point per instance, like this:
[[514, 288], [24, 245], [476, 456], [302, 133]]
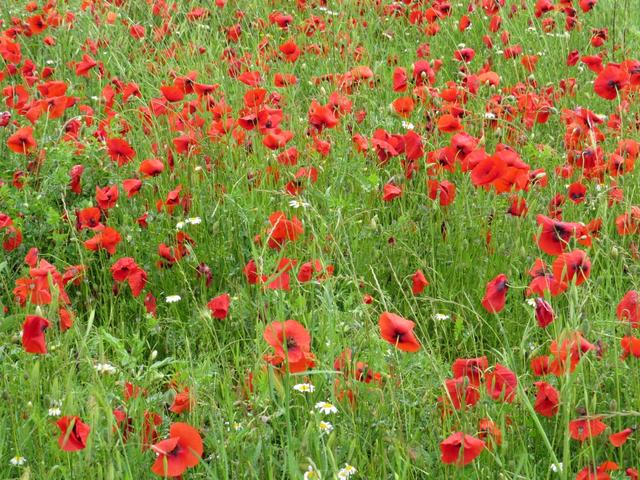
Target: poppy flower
[[618, 439], [106, 238], [182, 450], [219, 306], [182, 402], [544, 313], [584, 428], [120, 151], [297, 341], [472, 368], [419, 282], [283, 229], [488, 430], [447, 123], [151, 167], [33, 339], [629, 308], [630, 346], [73, 434], [22, 141], [398, 331], [610, 81], [460, 449], [126, 269], [601, 472], [555, 235], [495, 294], [501, 383], [390, 192], [547, 399], [460, 392], [574, 265]]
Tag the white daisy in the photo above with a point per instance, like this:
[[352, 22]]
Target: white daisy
[[173, 298], [325, 427], [18, 461], [347, 471], [326, 408], [304, 387]]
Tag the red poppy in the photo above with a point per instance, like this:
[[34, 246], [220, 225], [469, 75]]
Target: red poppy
[[555, 235], [544, 313], [460, 391], [584, 428], [182, 450], [106, 238], [630, 346], [629, 308], [151, 167], [495, 294], [297, 341], [610, 81], [219, 306], [182, 402], [73, 434], [574, 265], [120, 151], [127, 269], [33, 339], [22, 141], [472, 368], [398, 331], [391, 191], [460, 448], [501, 383], [419, 282], [618, 439], [283, 229], [547, 400], [601, 472]]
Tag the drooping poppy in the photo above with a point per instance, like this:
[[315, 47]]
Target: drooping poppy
[[619, 438], [544, 312], [398, 331], [419, 282]]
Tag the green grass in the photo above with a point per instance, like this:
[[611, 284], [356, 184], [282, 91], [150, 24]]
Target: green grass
[[394, 430]]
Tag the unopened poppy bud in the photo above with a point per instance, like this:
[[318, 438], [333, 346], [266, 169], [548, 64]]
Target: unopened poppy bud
[[153, 355], [615, 252]]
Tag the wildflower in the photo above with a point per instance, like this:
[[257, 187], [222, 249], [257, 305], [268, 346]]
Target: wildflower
[[182, 450], [441, 316], [193, 221], [556, 467], [298, 204], [105, 368], [173, 298], [347, 471], [18, 461], [326, 408], [311, 474], [54, 412], [325, 427], [304, 388]]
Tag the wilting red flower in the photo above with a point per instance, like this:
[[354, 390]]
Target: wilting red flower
[[629, 308], [398, 331], [495, 294], [574, 265], [547, 400], [584, 428], [73, 434], [297, 341], [219, 306], [182, 450], [22, 141], [501, 383], [544, 312], [618, 439], [460, 448], [419, 282], [33, 340]]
